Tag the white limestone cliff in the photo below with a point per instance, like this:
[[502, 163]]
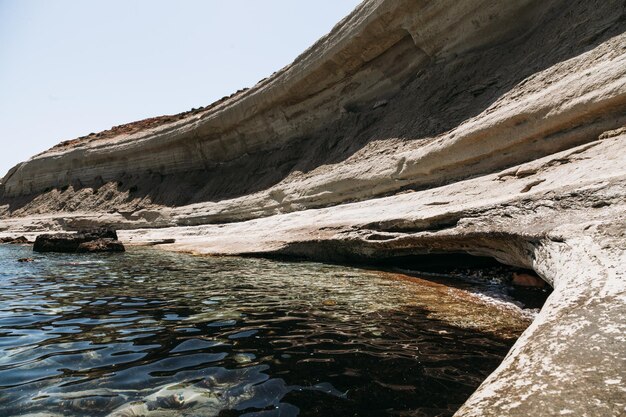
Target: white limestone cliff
[[414, 127]]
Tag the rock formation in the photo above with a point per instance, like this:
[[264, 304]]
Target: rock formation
[[489, 128], [100, 240], [20, 240]]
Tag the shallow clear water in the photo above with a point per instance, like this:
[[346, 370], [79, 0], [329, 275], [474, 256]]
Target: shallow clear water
[[155, 333]]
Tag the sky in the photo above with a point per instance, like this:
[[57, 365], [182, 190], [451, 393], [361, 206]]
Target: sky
[[72, 67]]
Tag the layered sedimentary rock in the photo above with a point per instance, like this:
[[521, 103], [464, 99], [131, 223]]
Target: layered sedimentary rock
[[410, 88], [414, 127]]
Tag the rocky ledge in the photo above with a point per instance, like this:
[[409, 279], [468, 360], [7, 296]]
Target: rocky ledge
[[489, 128]]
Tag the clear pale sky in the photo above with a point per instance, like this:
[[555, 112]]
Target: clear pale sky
[[71, 67]]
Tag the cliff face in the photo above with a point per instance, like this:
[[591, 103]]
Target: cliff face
[[486, 127], [400, 95]]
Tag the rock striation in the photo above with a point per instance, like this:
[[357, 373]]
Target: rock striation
[[414, 127]]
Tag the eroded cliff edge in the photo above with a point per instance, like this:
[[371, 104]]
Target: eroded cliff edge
[[494, 128]]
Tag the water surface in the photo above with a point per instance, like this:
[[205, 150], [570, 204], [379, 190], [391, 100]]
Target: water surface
[[161, 334]]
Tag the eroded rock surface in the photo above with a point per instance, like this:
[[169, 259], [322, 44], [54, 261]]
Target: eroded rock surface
[[490, 128]]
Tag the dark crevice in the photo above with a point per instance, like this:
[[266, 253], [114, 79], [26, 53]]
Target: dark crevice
[[404, 226]]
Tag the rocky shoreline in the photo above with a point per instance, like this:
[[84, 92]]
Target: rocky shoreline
[[412, 129], [569, 229]]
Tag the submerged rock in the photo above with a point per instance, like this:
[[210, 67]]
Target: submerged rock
[[527, 280], [98, 240], [170, 400], [101, 245]]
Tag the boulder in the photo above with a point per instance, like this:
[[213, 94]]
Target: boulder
[[97, 240]]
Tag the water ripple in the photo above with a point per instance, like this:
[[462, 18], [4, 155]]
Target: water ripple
[[153, 333]]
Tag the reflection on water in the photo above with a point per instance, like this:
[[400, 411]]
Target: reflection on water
[[162, 334]]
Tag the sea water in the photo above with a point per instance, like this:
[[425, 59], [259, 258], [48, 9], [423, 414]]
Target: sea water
[[148, 332]]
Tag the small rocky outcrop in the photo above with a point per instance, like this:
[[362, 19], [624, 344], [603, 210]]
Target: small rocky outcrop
[[15, 240], [98, 240]]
